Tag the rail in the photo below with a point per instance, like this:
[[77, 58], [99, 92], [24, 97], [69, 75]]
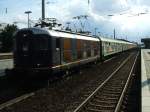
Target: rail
[[96, 91], [126, 86]]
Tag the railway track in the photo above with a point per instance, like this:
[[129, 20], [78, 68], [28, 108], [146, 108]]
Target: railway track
[[109, 95], [23, 97]]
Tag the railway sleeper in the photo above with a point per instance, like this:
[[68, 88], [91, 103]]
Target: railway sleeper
[[113, 89], [115, 82], [105, 101], [83, 97], [114, 86], [104, 97], [108, 95], [96, 110], [86, 95], [111, 92], [93, 104], [101, 107]]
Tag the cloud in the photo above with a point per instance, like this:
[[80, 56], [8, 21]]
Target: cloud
[[127, 18]]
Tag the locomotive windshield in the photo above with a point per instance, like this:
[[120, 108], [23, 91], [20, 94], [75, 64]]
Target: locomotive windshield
[[40, 43], [23, 41], [26, 41]]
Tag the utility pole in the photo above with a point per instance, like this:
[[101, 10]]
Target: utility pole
[[95, 30], [28, 12], [68, 26], [114, 33], [43, 12], [80, 18], [99, 33], [6, 11]]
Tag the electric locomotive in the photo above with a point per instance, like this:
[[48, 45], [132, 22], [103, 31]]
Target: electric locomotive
[[38, 49]]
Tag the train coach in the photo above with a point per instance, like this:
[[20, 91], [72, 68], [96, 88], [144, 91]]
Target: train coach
[[110, 47], [38, 49]]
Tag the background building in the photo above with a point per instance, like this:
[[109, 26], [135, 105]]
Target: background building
[[146, 42]]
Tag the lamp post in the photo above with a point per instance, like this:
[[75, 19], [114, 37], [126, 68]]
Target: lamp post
[[114, 33], [28, 13], [43, 13], [43, 9]]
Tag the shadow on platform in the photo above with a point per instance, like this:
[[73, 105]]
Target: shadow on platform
[[146, 83], [2, 72]]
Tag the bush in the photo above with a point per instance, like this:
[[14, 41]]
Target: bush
[[7, 39]]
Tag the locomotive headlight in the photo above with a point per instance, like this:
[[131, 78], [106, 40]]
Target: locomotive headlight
[[24, 35], [38, 65]]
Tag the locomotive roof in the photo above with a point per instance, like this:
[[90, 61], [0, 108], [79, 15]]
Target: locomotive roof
[[69, 35], [60, 34]]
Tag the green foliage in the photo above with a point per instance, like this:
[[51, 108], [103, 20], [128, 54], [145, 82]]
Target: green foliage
[[7, 39]]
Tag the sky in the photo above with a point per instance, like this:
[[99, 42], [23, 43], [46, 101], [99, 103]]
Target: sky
[[129, 18]]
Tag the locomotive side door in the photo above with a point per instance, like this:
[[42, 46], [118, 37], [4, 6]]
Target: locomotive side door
[[57, 52]]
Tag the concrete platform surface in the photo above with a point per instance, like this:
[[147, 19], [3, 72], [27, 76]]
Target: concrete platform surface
[[4, 64], [145, 80], [2, 54]]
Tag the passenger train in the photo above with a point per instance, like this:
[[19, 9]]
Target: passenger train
[[38, 49]]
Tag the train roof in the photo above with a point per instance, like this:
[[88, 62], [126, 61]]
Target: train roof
[[114, 40], [56, 34], [60, 34]]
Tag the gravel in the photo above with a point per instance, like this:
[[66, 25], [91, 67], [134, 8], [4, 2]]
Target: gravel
[[65, 94]]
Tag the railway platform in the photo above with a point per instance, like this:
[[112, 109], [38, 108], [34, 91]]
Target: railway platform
[[5, 54], [145, 79], [5, 64]]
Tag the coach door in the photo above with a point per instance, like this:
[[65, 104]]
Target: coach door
[[57, 56]]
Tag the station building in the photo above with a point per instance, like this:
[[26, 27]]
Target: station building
[[146, 42]]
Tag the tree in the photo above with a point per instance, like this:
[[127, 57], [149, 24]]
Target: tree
[[6, 37]]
